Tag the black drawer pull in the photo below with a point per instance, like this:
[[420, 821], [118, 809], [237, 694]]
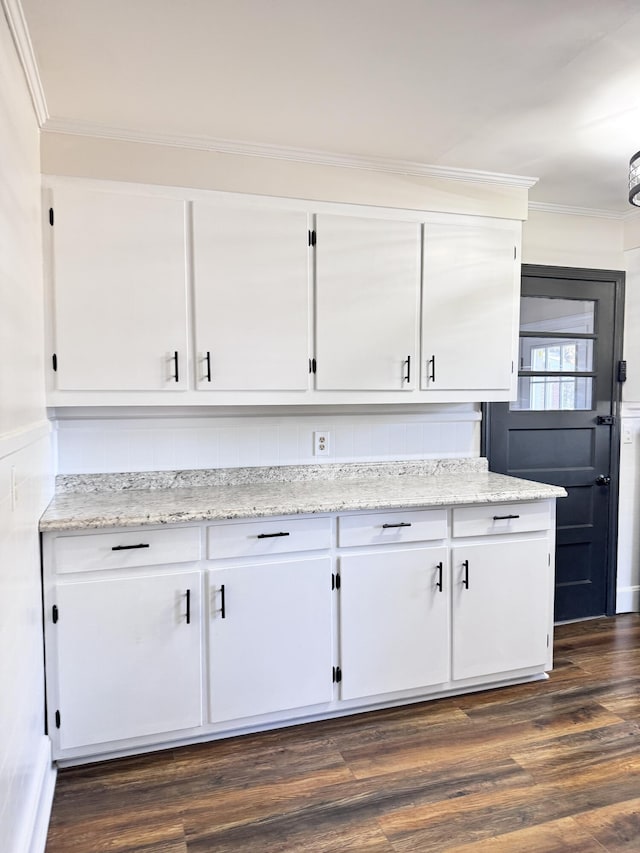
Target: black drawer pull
[[439, 581], [176, 375], [208, 361], [129, 547], [223, 609], [188, 596], [271, 535], [399, 524], [504, 517], [465, 580]]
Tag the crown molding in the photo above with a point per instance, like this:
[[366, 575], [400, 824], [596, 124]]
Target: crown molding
[[22, 40], [278, 152], [567, 209]]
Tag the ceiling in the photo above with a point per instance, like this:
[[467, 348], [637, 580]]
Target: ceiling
[[528, 87]]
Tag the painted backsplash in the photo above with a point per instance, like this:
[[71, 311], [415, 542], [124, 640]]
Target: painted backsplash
[[114, 441]]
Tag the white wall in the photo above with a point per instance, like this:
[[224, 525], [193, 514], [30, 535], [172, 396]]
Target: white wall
[[117, 160], [26, 778], [565, 240], [629, 519], [136, 441]]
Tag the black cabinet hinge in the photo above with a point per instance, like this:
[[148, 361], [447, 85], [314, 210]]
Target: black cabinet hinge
[[605, 420], [50, 216], [335, 581], [54, 614], [57, 719], [337, 674], [54, 361], [622, 371], [312, 238], [312, 365]]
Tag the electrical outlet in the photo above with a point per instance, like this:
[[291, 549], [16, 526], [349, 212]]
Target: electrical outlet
[[627, 436], [321, 443]]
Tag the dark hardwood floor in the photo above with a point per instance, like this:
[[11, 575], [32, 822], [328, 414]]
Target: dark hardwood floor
[[548, 767]]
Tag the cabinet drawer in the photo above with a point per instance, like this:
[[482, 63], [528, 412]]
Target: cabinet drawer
[[126, 550], [393, 527], [254, 538], [501, 518]]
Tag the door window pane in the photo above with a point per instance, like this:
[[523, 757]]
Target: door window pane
[[551, 354], [542, 314], [549, 393]]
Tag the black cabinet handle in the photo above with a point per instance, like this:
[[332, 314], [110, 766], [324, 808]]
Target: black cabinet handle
[[399, 524], [504, 517], [439, 581], [223, 608], [129, 547], [407, 378], [208, 360], [431, 369], [465, 579], [271, 535], [603, 480], [176, 375], [188, 596]]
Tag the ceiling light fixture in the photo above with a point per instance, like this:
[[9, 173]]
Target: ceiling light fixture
[[634, 179]]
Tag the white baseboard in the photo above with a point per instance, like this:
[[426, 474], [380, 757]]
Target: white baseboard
[[628, 599], [38, 813]]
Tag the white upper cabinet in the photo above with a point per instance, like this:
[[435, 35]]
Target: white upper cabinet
[[367, 303], [242, 300], [119, 291], [471, 283], [252, 298]]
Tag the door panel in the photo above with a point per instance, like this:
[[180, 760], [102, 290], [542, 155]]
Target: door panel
[[462, 262], [394, 621], [570, 342], [367, 302], [270, 637], [128, 657], [120, 301], [252, 296]]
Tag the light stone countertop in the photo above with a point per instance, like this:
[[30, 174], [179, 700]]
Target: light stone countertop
[[117, 500]]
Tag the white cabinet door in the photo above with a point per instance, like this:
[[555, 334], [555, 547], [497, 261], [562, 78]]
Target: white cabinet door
[[120, 291], [252, 298], [128, 657], [367, 303], [394, 621], [500, 606], [270, 634], [469, 306]]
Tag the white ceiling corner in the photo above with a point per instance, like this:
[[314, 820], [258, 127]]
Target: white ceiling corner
[[487, 91], [22, 40]]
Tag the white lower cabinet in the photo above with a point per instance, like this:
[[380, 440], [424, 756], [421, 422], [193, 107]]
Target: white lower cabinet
[[394, 621], [500, 606], [127, 658], [301, 617], [270, 637]]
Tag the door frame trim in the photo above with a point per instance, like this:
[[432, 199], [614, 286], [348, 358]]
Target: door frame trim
[[617, 280]]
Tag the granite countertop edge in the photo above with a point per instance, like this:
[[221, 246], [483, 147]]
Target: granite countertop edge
[[450, 485]]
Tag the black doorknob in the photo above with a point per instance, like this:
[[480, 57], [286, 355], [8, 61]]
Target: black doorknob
[[602, 480]]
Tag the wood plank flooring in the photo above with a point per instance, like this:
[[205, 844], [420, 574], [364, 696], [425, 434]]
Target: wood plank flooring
[[550, 767]]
